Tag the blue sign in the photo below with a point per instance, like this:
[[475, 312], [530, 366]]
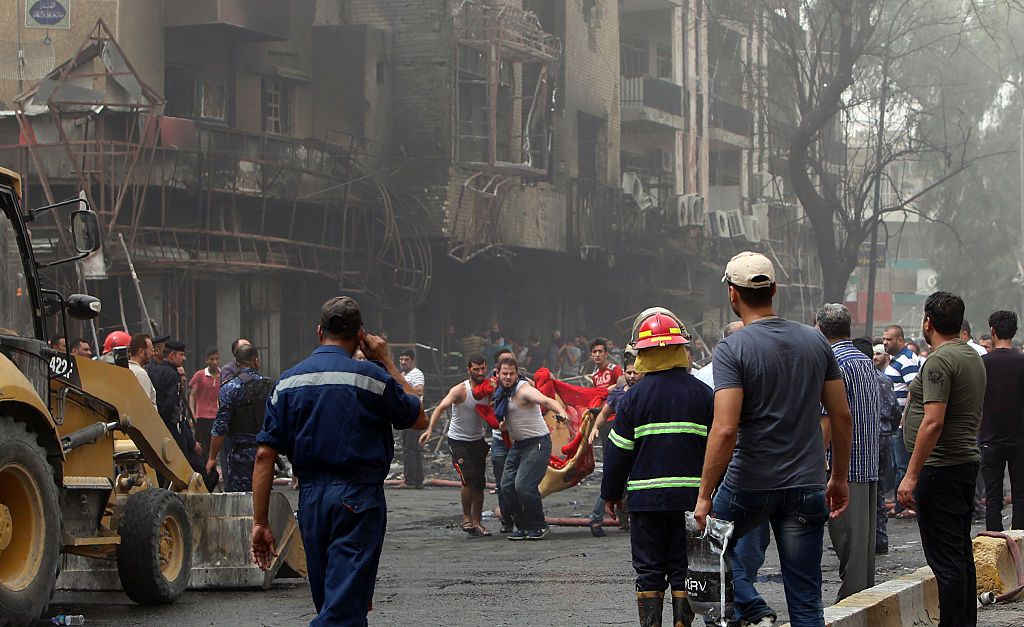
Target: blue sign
[[47, 14]]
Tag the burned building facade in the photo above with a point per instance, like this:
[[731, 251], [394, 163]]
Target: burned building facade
[[542, 164]]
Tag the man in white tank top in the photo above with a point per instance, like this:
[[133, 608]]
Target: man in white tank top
[[519, 406], [466, 440]]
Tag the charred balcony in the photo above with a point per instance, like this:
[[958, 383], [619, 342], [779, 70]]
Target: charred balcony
[[653, 100]]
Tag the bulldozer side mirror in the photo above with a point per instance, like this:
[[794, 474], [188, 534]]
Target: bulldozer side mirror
[[85, 231], [83, 306]]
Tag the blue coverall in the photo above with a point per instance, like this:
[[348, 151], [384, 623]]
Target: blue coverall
[[332, 416]]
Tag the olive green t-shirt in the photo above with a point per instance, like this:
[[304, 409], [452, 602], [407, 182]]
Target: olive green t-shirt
[[953, 374]]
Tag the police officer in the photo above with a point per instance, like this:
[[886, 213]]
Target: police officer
[[170, 403], [656, 454], [243, 402], [332, 416]]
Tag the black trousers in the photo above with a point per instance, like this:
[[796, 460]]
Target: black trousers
[[945, 505], [658, 540], [994, 460], [412, 458]]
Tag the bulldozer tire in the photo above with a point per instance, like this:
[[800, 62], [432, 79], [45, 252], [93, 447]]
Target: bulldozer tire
[[154, 559], [30, 523]]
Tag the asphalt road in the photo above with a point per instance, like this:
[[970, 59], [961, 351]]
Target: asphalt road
[[432, 573]]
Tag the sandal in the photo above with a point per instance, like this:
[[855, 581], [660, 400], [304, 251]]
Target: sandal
[[468, 527], [907, 513], [478, 531]]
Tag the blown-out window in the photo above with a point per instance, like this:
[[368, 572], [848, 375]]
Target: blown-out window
[[277, 106]]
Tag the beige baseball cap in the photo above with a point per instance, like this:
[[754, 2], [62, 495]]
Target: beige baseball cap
[[749, 269]]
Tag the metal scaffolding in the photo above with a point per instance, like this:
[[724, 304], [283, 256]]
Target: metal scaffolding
[[503, 64], [193, 195]]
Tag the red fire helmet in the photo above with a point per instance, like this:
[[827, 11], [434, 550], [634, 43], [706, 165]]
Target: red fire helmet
[[116, 339], [658, 327]]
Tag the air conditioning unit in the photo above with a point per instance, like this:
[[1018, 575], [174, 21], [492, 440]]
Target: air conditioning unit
[[719, 223], [634, 189], [760, 211], [765, 185], [661, 160], [694, 209], [752, 225], [631, 185], [734, 219], [675, 212]]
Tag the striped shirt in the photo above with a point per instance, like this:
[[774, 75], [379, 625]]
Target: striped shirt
[[415, 378], [902, 369], [864, 396]]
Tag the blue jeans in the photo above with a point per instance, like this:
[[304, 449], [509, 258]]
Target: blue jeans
[[797, 517], [499, 453], [750, 551], [597, 516], [524, 468], [900, 460]]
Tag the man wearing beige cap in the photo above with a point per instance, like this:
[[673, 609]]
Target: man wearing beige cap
[[766, 441]]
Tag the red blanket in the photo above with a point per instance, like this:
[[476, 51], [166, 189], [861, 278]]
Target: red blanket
[[577, 401]]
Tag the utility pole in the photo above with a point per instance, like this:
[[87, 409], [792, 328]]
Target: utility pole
[[876, 218], [1021, 154]]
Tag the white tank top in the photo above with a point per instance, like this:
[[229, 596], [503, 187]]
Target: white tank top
[[466, 424], [524, 422]]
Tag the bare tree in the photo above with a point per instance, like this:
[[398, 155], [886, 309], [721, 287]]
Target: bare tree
[[842, 112]]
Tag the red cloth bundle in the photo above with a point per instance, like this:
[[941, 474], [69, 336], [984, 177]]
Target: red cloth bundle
[[577, 401]]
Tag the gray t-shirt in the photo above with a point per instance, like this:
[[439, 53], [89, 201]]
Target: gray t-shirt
[[782, 366]]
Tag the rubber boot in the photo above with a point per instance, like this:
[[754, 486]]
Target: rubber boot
[[682, 613], [648, 605]]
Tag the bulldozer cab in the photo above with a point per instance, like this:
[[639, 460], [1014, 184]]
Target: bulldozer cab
[[70, 498]]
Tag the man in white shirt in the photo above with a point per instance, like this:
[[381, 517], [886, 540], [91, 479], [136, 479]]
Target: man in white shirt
[[412, 455], [965, 335], [706, 374], [140, 351], [466, 432], [520, 406]]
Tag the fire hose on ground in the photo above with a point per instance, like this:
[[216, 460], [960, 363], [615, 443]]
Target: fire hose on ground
[[1018, 563]]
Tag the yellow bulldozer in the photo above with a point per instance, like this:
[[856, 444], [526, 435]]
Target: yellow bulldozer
[[81, 448]]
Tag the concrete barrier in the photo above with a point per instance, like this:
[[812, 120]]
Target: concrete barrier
[[992, 560], [913, 599]]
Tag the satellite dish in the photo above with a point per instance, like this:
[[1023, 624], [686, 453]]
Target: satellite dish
[[32, 61]]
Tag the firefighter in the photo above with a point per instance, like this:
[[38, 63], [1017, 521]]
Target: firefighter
[[243, 402], [656, 454]]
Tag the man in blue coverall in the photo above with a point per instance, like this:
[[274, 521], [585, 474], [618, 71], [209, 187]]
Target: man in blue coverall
[[332, 416], [656, 452]]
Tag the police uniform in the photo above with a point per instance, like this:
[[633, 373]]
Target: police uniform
[[243, 402], [332, 416], [656, 455], [170, 405]]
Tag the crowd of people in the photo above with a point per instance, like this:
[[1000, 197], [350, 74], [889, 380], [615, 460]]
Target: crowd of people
[[787, 430], [931, 424], [213, 415]]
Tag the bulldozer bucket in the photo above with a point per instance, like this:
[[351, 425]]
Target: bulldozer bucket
[[221, 524]]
